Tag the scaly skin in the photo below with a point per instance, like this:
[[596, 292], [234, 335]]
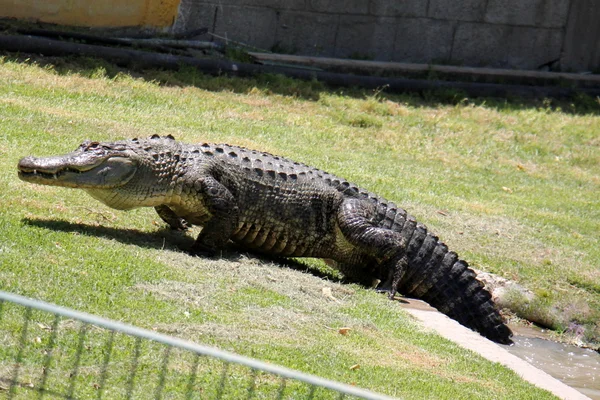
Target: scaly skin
[[276, 206]]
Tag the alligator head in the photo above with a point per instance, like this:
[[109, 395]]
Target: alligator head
[[115, 173], [93, 165]]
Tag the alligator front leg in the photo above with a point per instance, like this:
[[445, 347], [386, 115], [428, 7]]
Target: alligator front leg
[[387, 247], [172, 219], [224, 215]]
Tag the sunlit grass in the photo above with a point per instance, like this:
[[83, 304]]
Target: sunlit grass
[[517, 186]]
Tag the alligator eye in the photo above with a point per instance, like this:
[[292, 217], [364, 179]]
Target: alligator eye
[[92, 146]]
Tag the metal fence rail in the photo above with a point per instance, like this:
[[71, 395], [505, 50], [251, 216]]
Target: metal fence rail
[[47, 351]]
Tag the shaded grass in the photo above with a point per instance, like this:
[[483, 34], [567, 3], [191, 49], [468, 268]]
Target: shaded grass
[[516, 184]]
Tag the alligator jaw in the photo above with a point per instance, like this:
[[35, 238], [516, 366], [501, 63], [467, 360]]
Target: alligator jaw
[[103, 172]]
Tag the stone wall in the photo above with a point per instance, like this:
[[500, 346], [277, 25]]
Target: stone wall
[[522, 34]]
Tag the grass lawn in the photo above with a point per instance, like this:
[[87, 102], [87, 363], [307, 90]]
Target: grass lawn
[[512, 187]]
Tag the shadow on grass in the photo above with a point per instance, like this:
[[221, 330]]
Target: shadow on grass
[[161, 239], [27, 387], [169, 240], [581, 104]]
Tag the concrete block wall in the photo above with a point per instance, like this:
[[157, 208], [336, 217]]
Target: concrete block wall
[[491, 33]]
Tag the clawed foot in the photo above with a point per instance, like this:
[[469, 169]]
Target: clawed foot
[[388, 288], [173, 220], [199, 250], [391, 294], [177, 224], [395, 274], [182, 225]]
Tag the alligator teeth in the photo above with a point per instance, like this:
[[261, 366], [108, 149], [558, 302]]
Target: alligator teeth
[[45, 175]]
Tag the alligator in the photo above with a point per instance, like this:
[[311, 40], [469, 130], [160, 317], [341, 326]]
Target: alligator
[[278, 207]]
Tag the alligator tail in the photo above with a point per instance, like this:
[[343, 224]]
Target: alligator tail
[[437, 276]]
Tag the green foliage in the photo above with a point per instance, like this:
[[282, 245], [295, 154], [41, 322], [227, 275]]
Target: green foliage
[[238, 54]]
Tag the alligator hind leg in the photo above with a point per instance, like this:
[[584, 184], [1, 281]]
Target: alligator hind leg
[[396, 268], [386, 247]]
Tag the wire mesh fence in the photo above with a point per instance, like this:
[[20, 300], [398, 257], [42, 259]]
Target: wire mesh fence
[[47, 351]]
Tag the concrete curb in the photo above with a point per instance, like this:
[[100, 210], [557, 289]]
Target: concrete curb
[[470, 340]]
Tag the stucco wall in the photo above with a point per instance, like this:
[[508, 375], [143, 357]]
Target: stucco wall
[[96, 13]]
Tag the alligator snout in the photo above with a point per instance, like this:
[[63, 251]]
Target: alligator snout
[[27, 164], [43, 170], [31, 169], [52, 165]]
